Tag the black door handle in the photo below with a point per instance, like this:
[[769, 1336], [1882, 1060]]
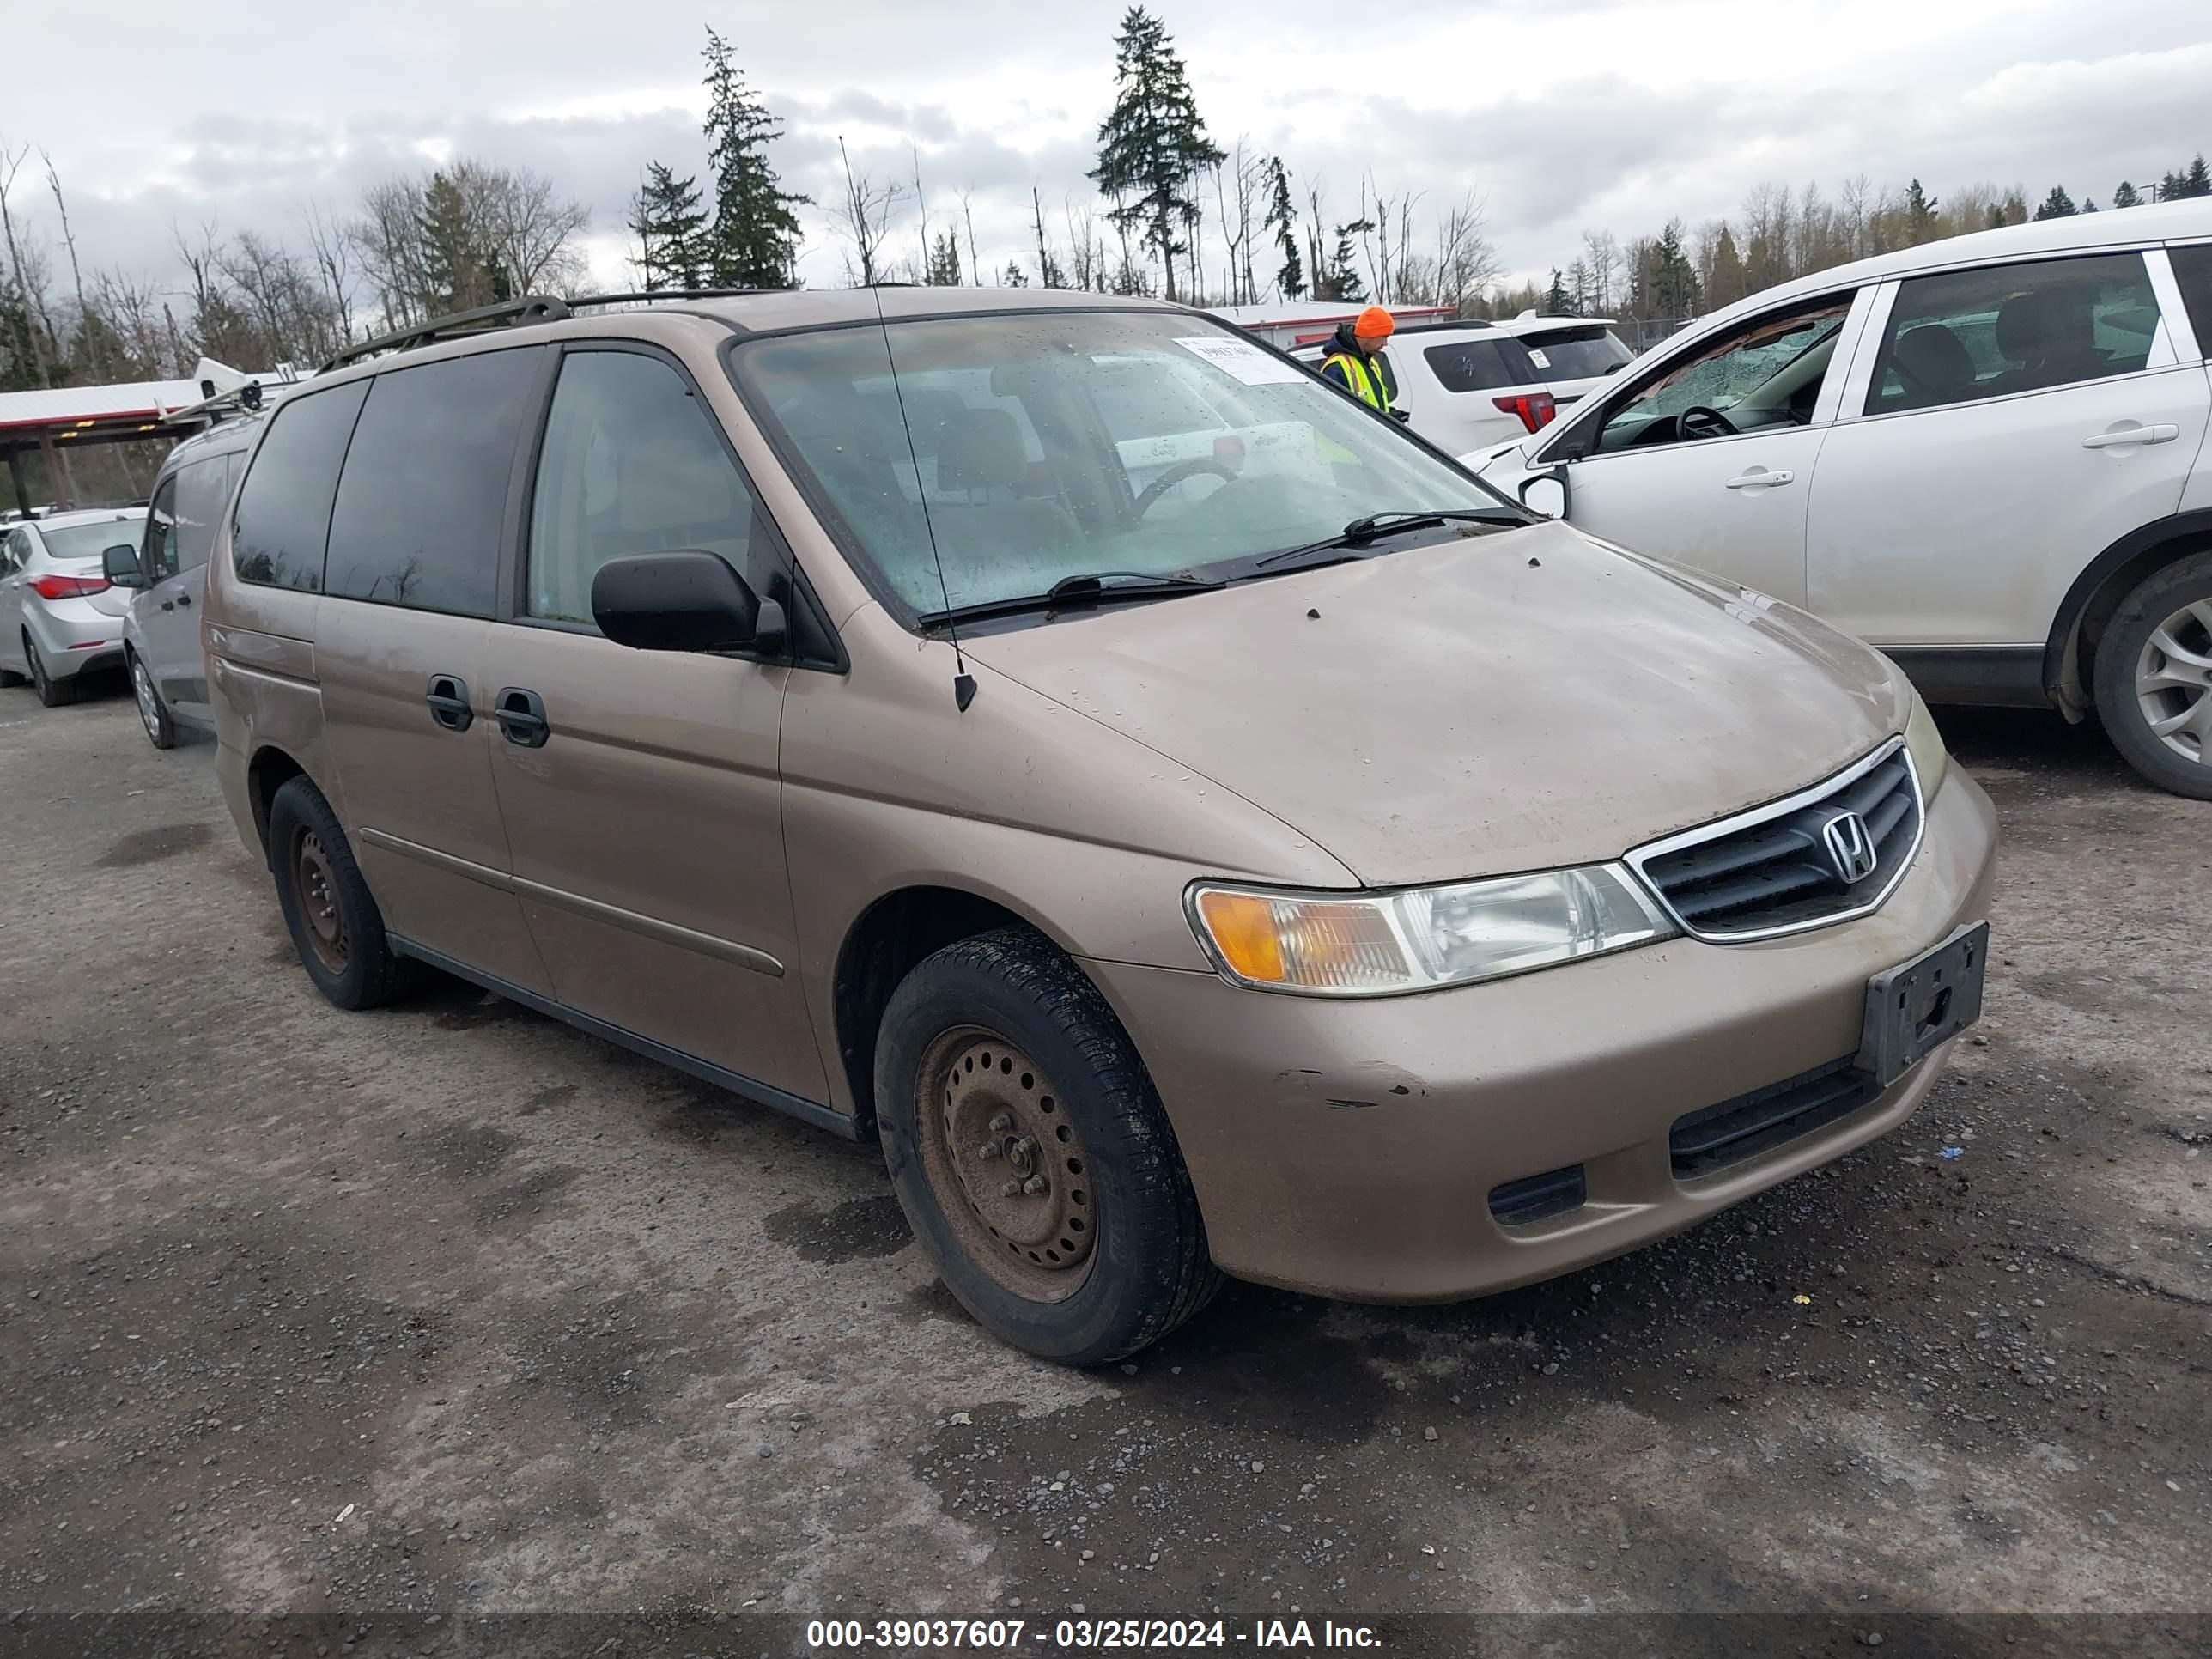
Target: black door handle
[[449, 702], [183, 598], [168, 604], [521, 715]]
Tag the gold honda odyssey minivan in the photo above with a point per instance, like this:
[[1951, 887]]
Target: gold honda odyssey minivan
[[1196, 826]]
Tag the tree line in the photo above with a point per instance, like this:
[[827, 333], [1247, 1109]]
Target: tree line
[[1177, 213], [1780, 234]]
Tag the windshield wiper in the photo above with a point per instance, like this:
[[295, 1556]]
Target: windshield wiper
[[1072, 592], [1360, 531]]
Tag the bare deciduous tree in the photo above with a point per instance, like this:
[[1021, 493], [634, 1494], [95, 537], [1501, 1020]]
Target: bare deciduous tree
[[863, 218]]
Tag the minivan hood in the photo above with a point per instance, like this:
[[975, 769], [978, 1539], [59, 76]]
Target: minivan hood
[[1508, 701]]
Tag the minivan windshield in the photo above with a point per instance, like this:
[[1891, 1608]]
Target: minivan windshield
[[1035, 446]]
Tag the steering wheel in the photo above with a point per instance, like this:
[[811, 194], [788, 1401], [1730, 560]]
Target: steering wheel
[[1703, 421], [1181, 472]]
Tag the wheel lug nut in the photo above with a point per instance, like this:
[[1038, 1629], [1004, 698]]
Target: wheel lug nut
[[1001, 1123], [1012, 1189], [988, 1150], [1034, 1184]]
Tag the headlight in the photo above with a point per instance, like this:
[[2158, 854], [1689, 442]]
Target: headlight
[[1929, 759], [1376, 943]]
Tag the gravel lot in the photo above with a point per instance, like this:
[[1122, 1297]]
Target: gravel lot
[[451, 1308]]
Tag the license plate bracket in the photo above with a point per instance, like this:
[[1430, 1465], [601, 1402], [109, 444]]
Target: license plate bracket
[[1921, 1004]]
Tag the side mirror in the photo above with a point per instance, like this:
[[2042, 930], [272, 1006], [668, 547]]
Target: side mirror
[[688, 600], [120, 564], [1545, 492]]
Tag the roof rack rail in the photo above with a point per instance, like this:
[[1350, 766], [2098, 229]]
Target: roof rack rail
[[506, 314], [517, 314], [652, 294]]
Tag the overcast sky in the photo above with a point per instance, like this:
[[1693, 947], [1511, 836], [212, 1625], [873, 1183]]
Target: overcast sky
[[1563, 114]]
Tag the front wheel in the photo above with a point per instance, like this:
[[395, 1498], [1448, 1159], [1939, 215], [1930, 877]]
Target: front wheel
[[2154, 677], [153, 712], [1031, 1154]]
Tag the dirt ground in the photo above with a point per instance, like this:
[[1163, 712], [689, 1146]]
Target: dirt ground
[[453, 1310]]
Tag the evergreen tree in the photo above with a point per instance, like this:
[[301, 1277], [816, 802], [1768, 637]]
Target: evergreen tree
[[2169, 188], [1014, 277], [1283, 219], [943, 261], [1558, 303], [1669, 280], [460, 270], [1728, 283], [1995, 220], [754, 240], [1153, 147], [2056, 205], [2197, 182], [1344, 280], [2125, 196], [670, 226], [1919, 213], [2088, 204]]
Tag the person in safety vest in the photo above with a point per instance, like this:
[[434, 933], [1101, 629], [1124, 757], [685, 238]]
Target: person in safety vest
[[1356, 361]]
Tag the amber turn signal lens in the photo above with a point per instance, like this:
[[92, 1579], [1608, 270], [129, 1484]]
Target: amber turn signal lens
[[1243, 929]]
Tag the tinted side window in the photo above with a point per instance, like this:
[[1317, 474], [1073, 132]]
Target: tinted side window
[[1478, 365], [200, 494], [1961, 336], [158, 552], [421, 505], [2192, 269], [282, 525], [633, 462]]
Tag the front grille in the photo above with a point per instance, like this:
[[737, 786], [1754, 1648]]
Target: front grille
[[1774, 869], [1714, 1137], [1537, 1197]]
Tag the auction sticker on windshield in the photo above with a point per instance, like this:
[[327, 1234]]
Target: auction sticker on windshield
[[1241, 358]]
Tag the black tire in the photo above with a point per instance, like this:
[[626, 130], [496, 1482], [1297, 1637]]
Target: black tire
[[2160, 596], [153, 713], [1147, 1269], [363, 972], [52, 693]]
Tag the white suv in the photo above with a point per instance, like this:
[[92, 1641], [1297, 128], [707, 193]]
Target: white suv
[[1466, 385], [1985, 455], [1575, 356]]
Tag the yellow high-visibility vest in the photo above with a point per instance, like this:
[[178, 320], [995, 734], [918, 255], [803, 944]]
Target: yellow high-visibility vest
[[1366, 378]]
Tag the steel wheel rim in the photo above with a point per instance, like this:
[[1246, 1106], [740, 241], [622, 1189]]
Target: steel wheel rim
[[319, 904], [2173, 681], [990, 1119], [150, 714]]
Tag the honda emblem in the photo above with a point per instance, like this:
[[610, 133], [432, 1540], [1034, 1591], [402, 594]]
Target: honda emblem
[[1851, 848]]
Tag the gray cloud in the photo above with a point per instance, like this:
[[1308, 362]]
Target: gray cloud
[[1600, 112]]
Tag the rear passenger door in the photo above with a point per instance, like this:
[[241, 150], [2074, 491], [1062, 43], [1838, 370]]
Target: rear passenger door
[[2006, 425], [639, 789], [416, 532]]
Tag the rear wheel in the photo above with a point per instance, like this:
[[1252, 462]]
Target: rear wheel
[[1032, 1156], [2154, 677], [52, 693], [153, 712], [334, 922]]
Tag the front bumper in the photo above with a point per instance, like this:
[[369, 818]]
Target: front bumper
[[73, 636], [1350, 1148]]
